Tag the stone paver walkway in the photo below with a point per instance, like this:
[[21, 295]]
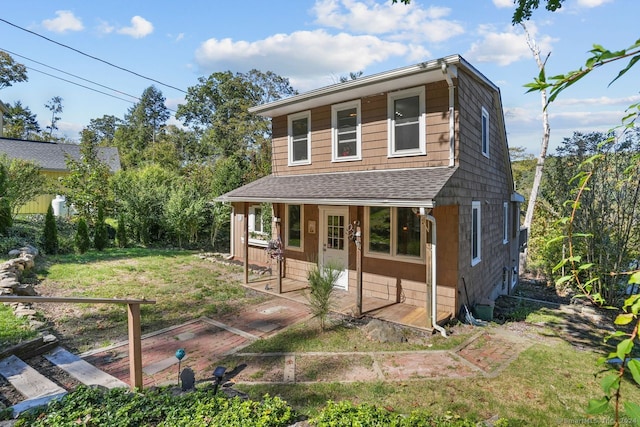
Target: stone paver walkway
[[206, 341]]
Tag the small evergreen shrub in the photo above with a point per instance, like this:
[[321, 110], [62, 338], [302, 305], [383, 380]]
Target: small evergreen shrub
[[322, 283], [121, 233], [50, 242], [82, 241], [100, 235]]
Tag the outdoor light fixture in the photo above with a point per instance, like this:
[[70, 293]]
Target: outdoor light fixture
[[218, 373], [180, 353]]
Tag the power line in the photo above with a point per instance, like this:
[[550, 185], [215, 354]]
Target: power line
[[91, 56], [69, 74]]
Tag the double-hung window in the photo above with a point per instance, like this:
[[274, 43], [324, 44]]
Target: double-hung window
[[485, 132], [299, 126], [394, 232], [406, 122], [476, 233], [345, 136], [294, 221]]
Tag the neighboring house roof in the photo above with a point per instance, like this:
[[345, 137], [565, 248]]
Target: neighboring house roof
[[52, 156], [398, 187], [414, 75]]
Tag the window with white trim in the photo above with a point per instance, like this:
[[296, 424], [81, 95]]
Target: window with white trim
[[299, 126], [345, 135], [485, 132], [257, 228], [476, 233], [394, 232], [294, 230], [505, 222], [406, 122]]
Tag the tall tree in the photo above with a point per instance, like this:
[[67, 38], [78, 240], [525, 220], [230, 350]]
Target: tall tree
[[11, 71], [143, 123], [87, 185], [104, 129], [20, 122], [55, 106]]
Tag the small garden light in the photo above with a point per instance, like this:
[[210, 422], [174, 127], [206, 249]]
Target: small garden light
[[180, 353], [218, 373]]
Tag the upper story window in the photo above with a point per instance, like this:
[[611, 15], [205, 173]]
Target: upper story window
[[299, 138], [394, 232], [485, 132], [406, 120], [345, 136], [476, 233]]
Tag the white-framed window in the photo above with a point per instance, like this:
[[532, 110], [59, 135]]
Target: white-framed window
[[406, 122], [476, 233], [294, 232], [394, 233], [485, 132], [505, 222], [257, 230], [299, 126], [345, 131]]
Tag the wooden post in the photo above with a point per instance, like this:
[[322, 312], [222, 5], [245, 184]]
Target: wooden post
[[135, 347], [246, 243], [279, 261], [358, 270]]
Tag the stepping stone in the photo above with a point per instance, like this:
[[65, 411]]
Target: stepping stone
[[82, 370], [36, 388]]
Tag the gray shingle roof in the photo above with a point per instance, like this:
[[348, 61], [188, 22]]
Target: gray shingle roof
[[52, 156], [398, 187]]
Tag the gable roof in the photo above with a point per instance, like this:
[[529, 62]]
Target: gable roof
[[51, 156], [396, 187], [414, 75]]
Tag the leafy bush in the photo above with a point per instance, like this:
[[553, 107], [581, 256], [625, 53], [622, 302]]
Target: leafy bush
[[121, 233], [82, 241], [50, 234], [345, 413], [158, 407]]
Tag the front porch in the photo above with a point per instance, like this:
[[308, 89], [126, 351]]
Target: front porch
[[345, 303]]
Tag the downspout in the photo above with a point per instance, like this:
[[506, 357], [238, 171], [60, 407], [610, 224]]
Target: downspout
[[447, 75], [434, 312]]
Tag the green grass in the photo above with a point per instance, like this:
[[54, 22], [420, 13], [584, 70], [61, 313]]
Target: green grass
[[13, 329]]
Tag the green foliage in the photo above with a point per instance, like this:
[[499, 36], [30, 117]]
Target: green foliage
[[122, 408], [322, 283], [121, 233], [82, 241], [5, 207], [10, 71], [346, 414], [21, 123], [87, 184], [50, 242], [25, 181], [185, 213], [13, 329], [100, 234]]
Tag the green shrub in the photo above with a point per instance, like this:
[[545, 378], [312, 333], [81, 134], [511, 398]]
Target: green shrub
[[50, 242], [322, 283], [82, 241], [100, 235], [121, 233]]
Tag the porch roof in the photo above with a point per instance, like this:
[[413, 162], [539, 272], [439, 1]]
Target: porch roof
[[398, 187]]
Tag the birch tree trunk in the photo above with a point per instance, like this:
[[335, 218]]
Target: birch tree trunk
[[546, 131]]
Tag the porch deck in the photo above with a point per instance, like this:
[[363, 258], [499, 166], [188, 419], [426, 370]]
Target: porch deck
[[345, 303]]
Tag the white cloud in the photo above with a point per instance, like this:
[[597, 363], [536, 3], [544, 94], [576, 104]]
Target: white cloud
[[402, 22], [105, 28], [501, 4], [139, 28], [506, 47], [299, 55], [592, 3], [65, 21], [602, 100]]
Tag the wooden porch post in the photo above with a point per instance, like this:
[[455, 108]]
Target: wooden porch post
[[135, 347], [358, 270], [245, 233], [278, 221]]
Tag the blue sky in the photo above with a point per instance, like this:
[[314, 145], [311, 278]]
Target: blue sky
[[313, 43]]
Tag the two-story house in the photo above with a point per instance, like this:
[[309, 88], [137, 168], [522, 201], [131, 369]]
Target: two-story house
[[417, 157]]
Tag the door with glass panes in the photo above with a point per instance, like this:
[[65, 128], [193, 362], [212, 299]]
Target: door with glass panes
[[334, 244]]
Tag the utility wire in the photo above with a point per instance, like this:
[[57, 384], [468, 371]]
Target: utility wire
[[69, 74], [91, 56]]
